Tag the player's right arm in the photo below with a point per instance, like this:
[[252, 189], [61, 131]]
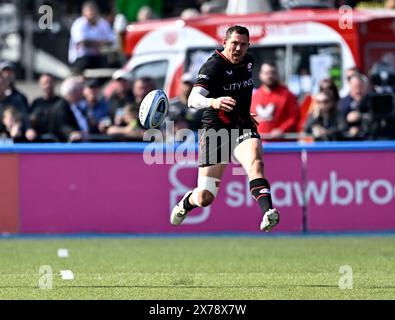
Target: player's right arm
[[198, 100], [200, 97]]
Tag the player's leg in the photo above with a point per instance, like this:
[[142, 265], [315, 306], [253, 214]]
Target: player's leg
[[249, 153], [214, 154], [208, 185], [202, 196]]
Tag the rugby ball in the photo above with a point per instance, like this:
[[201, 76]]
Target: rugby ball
[[153, 109]]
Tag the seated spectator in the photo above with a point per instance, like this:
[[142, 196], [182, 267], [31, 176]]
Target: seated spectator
[[141, 87], [322, 122], [8, 73], [7, 99], [90, 36], [42, 106], [68, 120], [179, 112], [189, 13], [11, 125], [350, 72], [128, 127], [381, 102], [213, 6], [326, 85], [122, 93], [96, 107], [381, 116], [354, 107], [389, 4], [275, 106], [145, 13], [329, 86]]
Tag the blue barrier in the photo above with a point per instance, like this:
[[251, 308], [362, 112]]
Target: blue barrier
[[139, 147]]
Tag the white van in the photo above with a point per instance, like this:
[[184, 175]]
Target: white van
[[306, 44]]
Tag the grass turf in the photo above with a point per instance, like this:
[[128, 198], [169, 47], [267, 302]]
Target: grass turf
[[200, 267]]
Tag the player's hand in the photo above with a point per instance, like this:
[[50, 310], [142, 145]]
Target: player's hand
[[224, 103]]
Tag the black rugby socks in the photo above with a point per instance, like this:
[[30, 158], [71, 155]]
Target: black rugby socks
[[260, 190], [187, 204]]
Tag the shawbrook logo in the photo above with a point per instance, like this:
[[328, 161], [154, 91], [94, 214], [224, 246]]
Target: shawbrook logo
[[341, 192], [333, 190]]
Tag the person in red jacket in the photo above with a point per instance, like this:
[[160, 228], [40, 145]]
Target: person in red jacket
[[275, 106]]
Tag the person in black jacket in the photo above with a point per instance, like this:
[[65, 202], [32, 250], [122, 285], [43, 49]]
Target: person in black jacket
[[41, 107], [68, 120]]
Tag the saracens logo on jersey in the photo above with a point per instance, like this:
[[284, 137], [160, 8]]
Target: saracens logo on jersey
[[238, 85]]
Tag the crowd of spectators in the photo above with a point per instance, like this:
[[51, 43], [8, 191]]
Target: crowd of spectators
[[85, 110], [81, 111], [366, 113]]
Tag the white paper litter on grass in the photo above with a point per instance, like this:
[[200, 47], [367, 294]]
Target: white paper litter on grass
[[67, 274], [63, 253]]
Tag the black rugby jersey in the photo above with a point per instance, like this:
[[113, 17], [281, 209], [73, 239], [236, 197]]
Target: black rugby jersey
[[223, 78]]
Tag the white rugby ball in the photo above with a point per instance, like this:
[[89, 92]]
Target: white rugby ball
[[153, 109]]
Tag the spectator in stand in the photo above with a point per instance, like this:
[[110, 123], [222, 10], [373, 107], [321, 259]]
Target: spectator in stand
[[7, 99], [90, 35], [96, 107], [322, 122], [145, 13], [275, 106], [8, 73], [130, 8], [11, 125], [141, 87], [389, 4], [128, 127], [179, 112], [41, 107], [213, 6], [381, 101], [350, 72], [328, 86], [189, 13], [122, 93], [68, 120], [354, 108]]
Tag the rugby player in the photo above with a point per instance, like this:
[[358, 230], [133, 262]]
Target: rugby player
[[224, 89]]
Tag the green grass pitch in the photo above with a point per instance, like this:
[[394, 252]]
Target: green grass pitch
[[202, 267]]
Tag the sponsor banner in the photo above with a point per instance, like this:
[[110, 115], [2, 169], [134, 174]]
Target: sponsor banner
[[340, 191], [351, 191], [120, 193], [9, 193]]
